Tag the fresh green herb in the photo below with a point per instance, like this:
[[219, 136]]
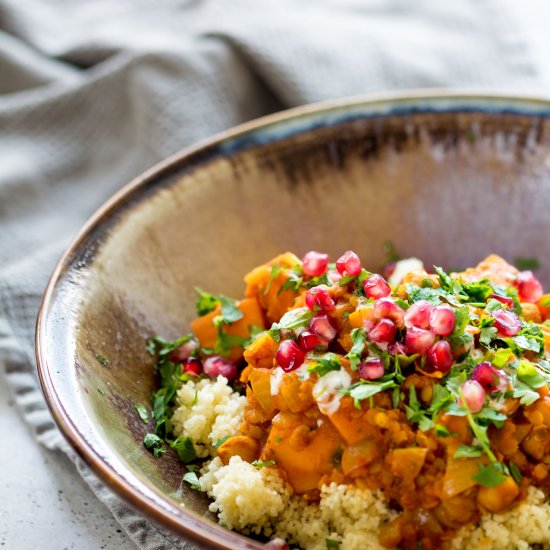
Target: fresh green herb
[[441, 431], [142, 412], [278, 439], [356, 352], [206, 303], [491, 415], [365, 390], [100, 391], [459, 337], [530, 375], [221, 441], [524, 393], [260, 464], [332, 544], [477, 291], [501, 357], [229, 312], [527, 263], [467, 451], [291, 320], [415, 413], [155, 444], [275, 270], [322, 365], [432, 295], [441, 397], [514, 470], [102, 359], [427, 283], [347, 280], [491, 475], [184, 449], [193, 479]]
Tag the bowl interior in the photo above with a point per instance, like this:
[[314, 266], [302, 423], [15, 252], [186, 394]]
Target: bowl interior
[[447, 179]]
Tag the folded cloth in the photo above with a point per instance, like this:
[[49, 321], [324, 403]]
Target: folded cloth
[[92, 93]]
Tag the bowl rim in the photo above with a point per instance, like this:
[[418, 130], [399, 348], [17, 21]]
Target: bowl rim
[[218, 537]]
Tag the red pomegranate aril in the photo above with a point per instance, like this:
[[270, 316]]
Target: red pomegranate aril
[[386, 308], [492, 379], [506, 322], [276, 544], [442, 320], [314, 263], [371, 369], [383, 332], [529, 287], [312, 342], [218, 366], [397, 348], [418, 340], [179, 355], [474, 396], [322, 326], [503, 300], [441, 356], [388, 270], [318, 299], [418, 315], [349, 264], [289, 356], [192, 366], [376, 286]]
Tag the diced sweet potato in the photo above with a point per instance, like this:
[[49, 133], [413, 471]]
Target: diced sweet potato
[[407, 463], [239, 445], [351, 423], [260, 381], [494, 268], [359, 455], [531, 312], [261, 352], [304, 467], [499, 496], [207, 333]]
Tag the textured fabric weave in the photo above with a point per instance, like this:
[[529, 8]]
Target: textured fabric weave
[[93, 93]]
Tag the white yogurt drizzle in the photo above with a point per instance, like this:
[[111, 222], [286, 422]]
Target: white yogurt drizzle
[[325, 391]]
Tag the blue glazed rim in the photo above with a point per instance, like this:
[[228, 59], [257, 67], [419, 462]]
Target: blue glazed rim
[[256, 133]]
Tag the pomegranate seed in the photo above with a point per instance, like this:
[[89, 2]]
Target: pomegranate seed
[[383, 332], [418, 340], [506, 322], [529, 287], [388, 270], [503, 300], [192, 366], [440, 356], [312, 342], [276, 544], [376, 287], [491, 379], [474, 396], [179, 355], [418, 315], [315, 263], [397, 348], [321, 326], [442, 320], [218, 366], [318, 299], [349, 264], [386, 308], [289, 356], [371, 369]]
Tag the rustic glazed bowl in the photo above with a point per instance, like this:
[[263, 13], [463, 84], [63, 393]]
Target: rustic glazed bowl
[[446, 177]]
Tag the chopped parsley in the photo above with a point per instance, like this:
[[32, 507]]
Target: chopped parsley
[[142, 412], [206, 303], [193, 479], [354, 355], [102, 359], [491, 475], [154, 444], [263, 464], [324, 364], [221, 441], [184, 449]]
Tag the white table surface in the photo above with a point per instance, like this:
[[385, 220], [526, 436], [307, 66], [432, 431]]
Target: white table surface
[[43, 502]]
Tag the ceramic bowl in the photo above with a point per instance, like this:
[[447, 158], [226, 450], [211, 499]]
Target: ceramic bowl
[[447, 178]]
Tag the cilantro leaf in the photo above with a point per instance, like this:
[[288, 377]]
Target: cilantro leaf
[[459, 337], [206, 303], [501, 357], [229, 313], [514, 470], [364, 390], [275, 270], [324, 364], [154, 444], [142, 412], [524, 393], [468, 451], [491, 475], [184, 449], [221, 441], [291, 320], [530, 375], [262, 464], [441, 397], [193, 479], [478, 291], [102, 359], [354, 355], [491, 415], [415, 413], [332, 544], [487, 334]]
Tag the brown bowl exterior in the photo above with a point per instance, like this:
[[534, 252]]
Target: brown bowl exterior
[[447, 178]]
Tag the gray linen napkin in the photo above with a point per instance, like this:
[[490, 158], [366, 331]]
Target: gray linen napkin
[[92, 93]]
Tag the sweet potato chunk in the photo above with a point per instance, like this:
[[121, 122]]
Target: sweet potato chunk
[[239, 445], [207, 333]]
